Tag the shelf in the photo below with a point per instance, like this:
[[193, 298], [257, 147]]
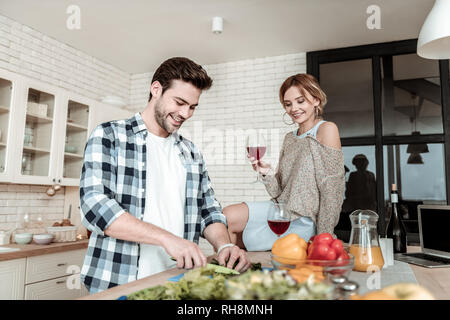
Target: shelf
[[75, 127], [2, 145], [38, 119], [35, 150], [4, 109], [72, 155]]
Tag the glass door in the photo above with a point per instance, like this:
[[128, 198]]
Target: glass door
[[6, 87], [77, 119], [38, 132]]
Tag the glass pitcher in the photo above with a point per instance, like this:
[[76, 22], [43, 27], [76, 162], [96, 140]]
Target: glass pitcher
[[364, 242]]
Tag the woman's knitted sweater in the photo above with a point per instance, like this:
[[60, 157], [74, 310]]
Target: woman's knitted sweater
[[310, 180]]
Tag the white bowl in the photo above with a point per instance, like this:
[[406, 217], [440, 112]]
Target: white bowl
[[44, 238], [23, 238]]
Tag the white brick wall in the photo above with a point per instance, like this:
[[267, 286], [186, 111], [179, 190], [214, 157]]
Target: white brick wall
[[244, 96], [18, 201], [28, 52]]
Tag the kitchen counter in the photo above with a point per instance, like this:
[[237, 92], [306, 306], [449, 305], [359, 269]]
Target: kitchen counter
[[30, 250], [437, 281]]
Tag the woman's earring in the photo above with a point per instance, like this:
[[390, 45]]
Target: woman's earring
[[284, 120], [316, 111]]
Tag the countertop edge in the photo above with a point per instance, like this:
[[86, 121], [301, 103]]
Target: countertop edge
[[37, 250]]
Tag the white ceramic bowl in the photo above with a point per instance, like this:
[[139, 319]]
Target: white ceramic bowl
[[44, 238], [23, 238]]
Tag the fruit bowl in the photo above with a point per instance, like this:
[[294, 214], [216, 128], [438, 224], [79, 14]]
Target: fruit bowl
[[325, 267]]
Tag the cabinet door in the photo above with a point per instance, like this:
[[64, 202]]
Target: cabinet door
[[12, 279], [54, 289], [10, 86], [44, 267], [37, 134], [76, 123]]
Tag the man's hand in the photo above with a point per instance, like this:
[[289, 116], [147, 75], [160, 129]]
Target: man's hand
[[228, 257], [187, 253]]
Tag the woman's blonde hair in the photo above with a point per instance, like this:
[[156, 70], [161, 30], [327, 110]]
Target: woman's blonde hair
[[305, 82]]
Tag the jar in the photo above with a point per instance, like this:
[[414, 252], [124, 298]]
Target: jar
[[364, 241]]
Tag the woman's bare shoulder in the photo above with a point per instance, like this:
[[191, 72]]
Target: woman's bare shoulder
[[328, 135]]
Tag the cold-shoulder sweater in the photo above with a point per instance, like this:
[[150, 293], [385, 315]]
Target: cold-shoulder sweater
[[310, 180]]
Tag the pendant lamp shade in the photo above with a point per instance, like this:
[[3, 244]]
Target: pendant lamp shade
[[415, 158], [417, 147], [434, 37]]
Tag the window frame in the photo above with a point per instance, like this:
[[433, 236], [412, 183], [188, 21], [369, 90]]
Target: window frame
[[377, 52]]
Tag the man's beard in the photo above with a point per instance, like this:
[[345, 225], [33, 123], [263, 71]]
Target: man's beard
[[161, 118]]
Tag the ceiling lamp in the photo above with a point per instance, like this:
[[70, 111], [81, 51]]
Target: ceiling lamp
[[434, 37], [217, 25], [417, 147], [415, 158]]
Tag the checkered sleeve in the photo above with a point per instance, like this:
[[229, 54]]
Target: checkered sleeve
[[211, 209], [98, 178]]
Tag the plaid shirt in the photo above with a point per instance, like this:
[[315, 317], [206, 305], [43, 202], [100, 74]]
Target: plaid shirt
[[113, 182]]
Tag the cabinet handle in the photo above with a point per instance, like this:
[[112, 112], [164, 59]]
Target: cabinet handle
[[54, 180], [59, 180], [60, 282], [61, 264]]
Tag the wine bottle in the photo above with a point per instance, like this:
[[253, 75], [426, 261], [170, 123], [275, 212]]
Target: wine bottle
[[396, 230]]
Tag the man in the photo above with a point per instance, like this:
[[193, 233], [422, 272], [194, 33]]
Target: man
[[145, 192]]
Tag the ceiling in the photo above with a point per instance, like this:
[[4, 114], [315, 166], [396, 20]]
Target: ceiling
[[136, 35]]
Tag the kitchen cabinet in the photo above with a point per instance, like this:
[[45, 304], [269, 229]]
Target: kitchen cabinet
[[53, 276], [54, 289], [76, 118], [38, 116], [44, 129], [47, 276], [10, 88], [12, 279]]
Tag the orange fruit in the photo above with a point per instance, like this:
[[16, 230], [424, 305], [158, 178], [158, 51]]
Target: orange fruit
[[378, 295]]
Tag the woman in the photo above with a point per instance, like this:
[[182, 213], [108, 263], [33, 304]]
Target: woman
[[310, 177]]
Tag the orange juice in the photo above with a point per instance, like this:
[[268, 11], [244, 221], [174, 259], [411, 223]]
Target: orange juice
[[366, 257]]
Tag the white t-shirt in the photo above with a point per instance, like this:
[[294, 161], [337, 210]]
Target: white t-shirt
[[164, 202]]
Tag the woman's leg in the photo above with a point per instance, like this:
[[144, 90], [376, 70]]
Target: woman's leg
[[237, 218]]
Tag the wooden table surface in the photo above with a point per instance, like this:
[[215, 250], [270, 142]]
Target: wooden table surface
[[437, 281]]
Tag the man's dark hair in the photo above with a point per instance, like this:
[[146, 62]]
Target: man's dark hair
[[180, 68]]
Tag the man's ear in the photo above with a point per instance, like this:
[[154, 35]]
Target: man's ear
[[156, 89]]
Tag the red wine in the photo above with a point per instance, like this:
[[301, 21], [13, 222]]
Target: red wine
[[256, 152], [278, 226]]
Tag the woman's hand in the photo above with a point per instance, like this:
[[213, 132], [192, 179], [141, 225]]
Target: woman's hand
[[259, 166]]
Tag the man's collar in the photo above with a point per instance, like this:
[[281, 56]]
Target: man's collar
[[138, 125], [177, 137]]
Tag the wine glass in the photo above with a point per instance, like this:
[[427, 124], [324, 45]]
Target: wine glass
[[279, 219], [256, 148]]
